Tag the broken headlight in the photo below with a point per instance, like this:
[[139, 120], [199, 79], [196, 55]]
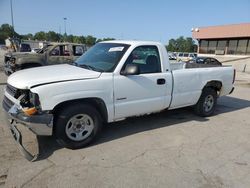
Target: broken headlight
[[30, 103]]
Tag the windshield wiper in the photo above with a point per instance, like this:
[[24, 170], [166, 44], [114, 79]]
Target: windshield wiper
[[89, 67], [85, 66]]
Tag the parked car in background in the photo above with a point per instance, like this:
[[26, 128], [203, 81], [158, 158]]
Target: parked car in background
[[182, 56], [51, 54], [171, 56], [206, 61]]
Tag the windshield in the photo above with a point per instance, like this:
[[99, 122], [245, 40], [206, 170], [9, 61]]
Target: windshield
[[102, 57]]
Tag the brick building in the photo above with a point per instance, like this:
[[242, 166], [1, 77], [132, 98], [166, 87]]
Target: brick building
[[226, 39]]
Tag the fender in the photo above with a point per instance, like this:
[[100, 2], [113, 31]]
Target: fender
[[53, 95]]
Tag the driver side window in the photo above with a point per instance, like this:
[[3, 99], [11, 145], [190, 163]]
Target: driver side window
[[60, 50], [147, 58]]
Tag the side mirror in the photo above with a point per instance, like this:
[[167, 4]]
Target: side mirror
[[131, 69]]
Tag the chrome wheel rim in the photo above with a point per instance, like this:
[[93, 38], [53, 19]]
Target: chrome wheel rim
[[79, 127], [208, 103]]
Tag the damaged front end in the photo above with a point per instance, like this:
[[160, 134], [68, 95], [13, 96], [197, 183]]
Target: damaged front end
[[9, 64], [26, 120]]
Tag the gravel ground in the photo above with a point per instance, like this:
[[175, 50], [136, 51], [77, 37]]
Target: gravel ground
[[2, 52]]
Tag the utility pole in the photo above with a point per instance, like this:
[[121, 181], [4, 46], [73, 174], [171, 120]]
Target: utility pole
[[12, 19], [65, 26], [59, 29]]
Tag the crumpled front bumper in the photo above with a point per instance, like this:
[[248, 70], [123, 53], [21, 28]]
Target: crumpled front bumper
[[26, 128], [9, 66]]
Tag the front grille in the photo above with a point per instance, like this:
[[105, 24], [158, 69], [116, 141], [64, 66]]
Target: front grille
[[11, 90], [7, 104], [14, 92]]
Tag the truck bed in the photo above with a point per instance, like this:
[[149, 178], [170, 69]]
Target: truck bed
[[183, 65], [190, 78]]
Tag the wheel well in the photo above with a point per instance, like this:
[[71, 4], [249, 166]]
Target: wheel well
[[217, 85], [95, 102]]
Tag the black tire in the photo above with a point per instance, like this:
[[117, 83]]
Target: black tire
[[206, 105], [66, 117]]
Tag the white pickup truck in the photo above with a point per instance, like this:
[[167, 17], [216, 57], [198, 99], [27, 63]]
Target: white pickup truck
[[112, 81]]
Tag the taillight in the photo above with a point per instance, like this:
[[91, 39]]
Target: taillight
[[234, 76]]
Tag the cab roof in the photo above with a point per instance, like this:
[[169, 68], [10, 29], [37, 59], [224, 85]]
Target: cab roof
[[132, 42]]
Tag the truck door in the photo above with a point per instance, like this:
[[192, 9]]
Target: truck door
[[59, 54], [150, 91]]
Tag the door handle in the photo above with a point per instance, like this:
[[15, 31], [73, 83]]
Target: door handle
[[161, 81]]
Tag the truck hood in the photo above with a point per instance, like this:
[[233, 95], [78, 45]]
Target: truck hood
[[22, 54], [25, 79]]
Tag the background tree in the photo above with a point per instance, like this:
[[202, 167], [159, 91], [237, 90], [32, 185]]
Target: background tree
[[7, 31], [41, 35], [69, 38], [81, 40], [90, 40], [105, 39], [171, 47], [52, 36], [28, 36], [181, 44]]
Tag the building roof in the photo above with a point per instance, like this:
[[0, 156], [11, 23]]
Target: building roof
[[223, 31]]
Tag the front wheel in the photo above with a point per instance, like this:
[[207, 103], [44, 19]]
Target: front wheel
[[207, 102], [77, 126]]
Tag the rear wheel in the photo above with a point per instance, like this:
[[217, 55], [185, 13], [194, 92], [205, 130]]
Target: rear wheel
[[207, 102], [77, 126]]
